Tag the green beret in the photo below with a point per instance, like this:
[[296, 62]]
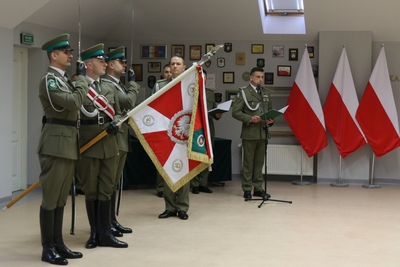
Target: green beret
[[60, 42], [96, 51], [117, 53]]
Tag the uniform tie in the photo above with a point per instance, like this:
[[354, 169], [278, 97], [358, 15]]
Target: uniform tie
[[97, 86]]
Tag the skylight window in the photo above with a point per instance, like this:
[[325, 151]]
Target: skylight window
[[284, 7], [282, 16]]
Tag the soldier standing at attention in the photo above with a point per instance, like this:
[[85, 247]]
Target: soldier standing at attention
[[175, 203], [58, 147], [252, 100], [98, 166], [116, 64]]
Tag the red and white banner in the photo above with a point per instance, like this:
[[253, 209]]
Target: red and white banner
[[175, 138], [304, 114], [340, 110], [377, 114]]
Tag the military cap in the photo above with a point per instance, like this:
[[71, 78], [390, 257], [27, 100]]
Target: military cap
[[117, 53], [96, 51], [60, 42]]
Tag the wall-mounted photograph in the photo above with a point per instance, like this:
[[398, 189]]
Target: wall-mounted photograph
[[277, 51], [195, 52], [228, 77], [154, 66], [138, 69], [284, 70], [153, 51], [178, 50], [293, 54]]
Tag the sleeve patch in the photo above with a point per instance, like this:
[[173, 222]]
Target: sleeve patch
[[51, 84]]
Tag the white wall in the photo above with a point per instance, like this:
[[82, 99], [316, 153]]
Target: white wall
[[6, 85]]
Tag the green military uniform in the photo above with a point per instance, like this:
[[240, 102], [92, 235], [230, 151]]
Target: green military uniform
[[202, 178], [178, 201], [126, 98], [58, 149], [98, 166], [160, 181], [250, 103]]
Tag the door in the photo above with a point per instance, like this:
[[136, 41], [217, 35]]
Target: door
[[19, 119]]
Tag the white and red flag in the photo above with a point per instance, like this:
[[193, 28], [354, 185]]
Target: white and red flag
[[304, 114], [340, 110], [172, 127], [377, 114]]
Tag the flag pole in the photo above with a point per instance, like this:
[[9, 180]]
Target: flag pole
[[301, 182], [339, 183], [204, 59], [371, 184]]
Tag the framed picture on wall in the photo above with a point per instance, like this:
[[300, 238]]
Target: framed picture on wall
[[178, 50], [257, 49], [195, 52], [284, 70], [269, 78], [310, 51], [277, 51], [154, 66], [293, 54], [228, 77], [153, 51], [208, 47], [231, 95], [138, 69]]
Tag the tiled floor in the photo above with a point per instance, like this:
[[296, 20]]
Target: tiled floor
[[324, 226]]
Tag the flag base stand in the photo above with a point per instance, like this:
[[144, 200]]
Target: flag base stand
[[371, 186], [339, 185], [301, 182]]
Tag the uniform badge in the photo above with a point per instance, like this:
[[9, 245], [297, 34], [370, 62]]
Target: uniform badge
[[221, 62], [239, 95], [51, 84], [228, 47]]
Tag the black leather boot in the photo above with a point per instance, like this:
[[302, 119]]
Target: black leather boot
[[58, 239], [104, 236], [49, 253], [114, 222], [91, 209]]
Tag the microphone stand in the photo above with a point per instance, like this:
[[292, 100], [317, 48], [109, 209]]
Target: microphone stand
[[267, 197]]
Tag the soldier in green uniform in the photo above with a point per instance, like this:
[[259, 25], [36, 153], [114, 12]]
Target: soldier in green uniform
[[126, 96], [200, 182], [98, 166], [58, 147], [178, 202], [251, 102], [165, 74]]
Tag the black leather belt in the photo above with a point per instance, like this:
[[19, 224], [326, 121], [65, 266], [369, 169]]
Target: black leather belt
[[99, 121], [61, 122]]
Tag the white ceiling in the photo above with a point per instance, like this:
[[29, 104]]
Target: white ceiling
[[204, 19]]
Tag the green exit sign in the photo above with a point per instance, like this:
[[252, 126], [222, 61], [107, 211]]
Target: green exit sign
[[27, 38]]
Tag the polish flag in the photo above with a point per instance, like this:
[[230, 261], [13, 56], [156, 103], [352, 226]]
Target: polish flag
[[340, 110], [304, 114], [377, 114]]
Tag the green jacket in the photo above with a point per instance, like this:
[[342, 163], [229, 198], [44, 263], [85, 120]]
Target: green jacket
[[127, 100], [60, 101], [106, 147], [243, 112]]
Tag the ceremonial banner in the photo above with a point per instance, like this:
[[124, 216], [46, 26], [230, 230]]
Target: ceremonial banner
[[304, 114], [340, 110], [377, 114], [175, 138]]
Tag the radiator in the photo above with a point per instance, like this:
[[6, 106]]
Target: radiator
[[286, 160]]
